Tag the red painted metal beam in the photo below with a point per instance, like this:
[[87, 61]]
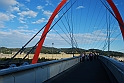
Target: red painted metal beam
[[118, 16], [39, 46]]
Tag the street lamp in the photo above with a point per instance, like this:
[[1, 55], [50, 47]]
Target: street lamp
[[52, 50]]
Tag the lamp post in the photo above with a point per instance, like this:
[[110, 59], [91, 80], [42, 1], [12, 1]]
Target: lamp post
[[52, 50]]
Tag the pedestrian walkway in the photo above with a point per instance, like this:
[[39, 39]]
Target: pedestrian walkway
[[85, 72]]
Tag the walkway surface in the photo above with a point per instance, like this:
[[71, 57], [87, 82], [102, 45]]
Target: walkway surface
[[85, 72]]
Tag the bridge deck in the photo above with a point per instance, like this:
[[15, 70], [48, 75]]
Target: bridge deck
[[85, 72]]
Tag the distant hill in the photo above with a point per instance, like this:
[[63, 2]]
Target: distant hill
[[50, 50]]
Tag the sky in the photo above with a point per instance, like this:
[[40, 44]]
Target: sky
[[86, 20]]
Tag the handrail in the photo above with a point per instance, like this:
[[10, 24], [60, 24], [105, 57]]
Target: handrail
[[31, 66], [118, 64], [116, 67]]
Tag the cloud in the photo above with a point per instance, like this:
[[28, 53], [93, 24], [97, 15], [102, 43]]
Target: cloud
[[28, 13], [21, 21], [89, 38], [80, 7], [48, 2], [9, 7], [47, 13], [27, 0], [2, 25], [4, 17], [15, 9], [85, 38], [11, 16], [40, 21], [39, 7], [99, 32], [16, 38], [23, 27], [8, 4]]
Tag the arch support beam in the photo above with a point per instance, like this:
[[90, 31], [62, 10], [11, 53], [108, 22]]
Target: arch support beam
[[118, 16], [39, 46]]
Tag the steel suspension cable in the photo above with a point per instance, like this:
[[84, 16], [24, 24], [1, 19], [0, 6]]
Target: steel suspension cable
[[47, 32], [97, 36], [62, 36], [112, 13], [95, 25], [23, 47], [86, 19]]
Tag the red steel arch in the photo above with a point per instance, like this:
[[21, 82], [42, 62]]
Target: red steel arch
[[118, 16], [39, 46]]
